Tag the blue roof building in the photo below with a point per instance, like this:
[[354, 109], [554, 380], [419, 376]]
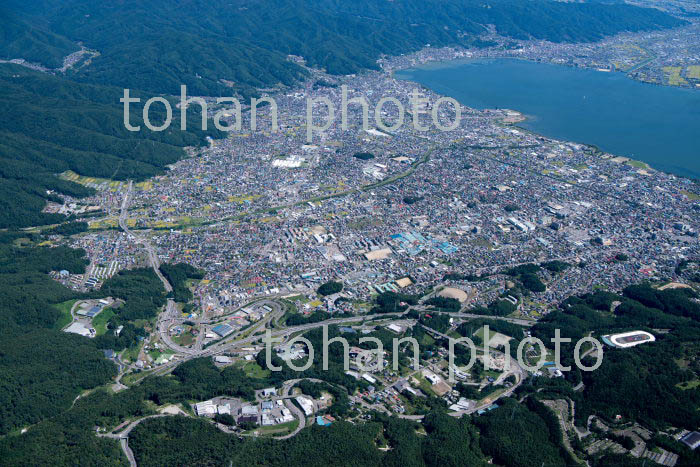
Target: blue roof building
[[222, 330]]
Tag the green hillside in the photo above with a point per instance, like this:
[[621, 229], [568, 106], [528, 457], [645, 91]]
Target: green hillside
[[157, 45], [51, 125], [19, 39], [73, 122]]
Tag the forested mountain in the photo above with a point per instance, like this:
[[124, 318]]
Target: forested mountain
[[20, 39], [655, 368], [50, 124], [215, 47], [42, 369], [157, 45], [73, 121]]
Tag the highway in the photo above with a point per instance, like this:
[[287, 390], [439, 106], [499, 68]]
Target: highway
[[150, 250], [240, 340], [244, 338], [171, 314], [235, 341]]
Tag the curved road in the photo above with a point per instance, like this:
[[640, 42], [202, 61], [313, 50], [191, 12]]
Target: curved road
[[170, 317], [511, 364], [286, 390], [123, 436]]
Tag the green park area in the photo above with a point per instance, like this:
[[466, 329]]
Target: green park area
[[99, 322], [186, 338], [253, 370], [65, 318]]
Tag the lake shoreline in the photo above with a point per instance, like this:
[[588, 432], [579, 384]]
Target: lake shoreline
[[650, 124]]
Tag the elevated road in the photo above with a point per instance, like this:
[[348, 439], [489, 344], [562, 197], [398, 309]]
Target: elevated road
[[236, 341]]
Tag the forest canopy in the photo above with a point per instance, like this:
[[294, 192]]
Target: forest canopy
[[51, 125]]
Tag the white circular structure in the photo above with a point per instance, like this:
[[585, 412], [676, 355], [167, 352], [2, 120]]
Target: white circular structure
[[630, 339]]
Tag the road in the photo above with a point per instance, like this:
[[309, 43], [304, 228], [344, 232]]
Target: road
[[512, 367], [166, 319], [123, 436], [171, 316], [518, 321], [286, 394], [231, 343], [124, 444], [225, 345], [150, 250], [72, 313], [643, 63], [235, 341]]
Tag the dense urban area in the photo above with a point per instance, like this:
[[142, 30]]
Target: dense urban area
[[178, 305]]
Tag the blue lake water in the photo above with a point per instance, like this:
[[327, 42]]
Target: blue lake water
[[659, 125]]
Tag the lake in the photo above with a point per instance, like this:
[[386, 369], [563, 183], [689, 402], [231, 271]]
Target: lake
[[659, 125]]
